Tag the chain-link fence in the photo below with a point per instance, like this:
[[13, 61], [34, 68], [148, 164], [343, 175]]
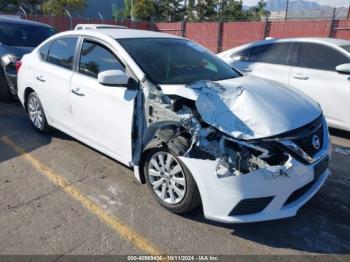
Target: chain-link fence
[[220, 36]]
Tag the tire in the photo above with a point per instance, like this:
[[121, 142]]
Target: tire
[[36, 114], [163, 186], [5, 93]]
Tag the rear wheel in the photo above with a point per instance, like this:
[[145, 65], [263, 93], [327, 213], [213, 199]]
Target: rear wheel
[[169, 180], [36, 113], [5, 94]]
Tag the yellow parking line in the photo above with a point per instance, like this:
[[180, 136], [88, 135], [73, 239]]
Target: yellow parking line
[[114, 222]]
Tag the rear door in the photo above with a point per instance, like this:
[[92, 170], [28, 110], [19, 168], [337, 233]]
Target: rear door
[[53, 76], [269, 61], [315, 75], [103, 115]]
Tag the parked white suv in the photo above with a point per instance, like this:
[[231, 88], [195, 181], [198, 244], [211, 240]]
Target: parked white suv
[[319, 67], [191, 126], [98, 26]]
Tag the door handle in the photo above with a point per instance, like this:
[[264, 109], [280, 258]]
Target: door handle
[[301, 77], [76, 92], [40, 78]]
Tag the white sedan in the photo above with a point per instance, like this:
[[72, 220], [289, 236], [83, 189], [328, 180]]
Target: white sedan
[[193, 128], [319, 67]]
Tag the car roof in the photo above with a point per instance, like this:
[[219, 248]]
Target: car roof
[[100, 26], [320, 40], [119, 33], [13, 20]]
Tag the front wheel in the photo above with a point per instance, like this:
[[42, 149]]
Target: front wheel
[[170, 181]]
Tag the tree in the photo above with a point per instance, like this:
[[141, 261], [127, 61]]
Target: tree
[[206, 9], [190, 11], [126, 12], [170, 10], [259, 10], [11, 6], [144, 9], [57, 7], [232, 10]]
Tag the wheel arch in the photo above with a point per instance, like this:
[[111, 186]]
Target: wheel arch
[[161, 138], [27, 92]]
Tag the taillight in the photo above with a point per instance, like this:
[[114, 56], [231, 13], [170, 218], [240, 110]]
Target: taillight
[[18, 65]]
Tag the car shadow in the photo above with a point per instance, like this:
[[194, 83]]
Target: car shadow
[[15, 125], [315, 235]]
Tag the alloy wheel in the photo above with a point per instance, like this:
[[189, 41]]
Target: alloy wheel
[[35, 112], [167, 177]]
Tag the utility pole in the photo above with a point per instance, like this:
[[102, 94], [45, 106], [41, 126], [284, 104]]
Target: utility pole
[[24, 12], [348, 15], [287, 6], [100, 16], [131, 11]]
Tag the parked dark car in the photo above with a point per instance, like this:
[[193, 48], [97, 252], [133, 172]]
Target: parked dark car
[[17, 37]]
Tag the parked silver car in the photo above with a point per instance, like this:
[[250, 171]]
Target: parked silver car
[[17, 37]]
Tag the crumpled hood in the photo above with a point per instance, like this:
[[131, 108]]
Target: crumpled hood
[[249, 107]]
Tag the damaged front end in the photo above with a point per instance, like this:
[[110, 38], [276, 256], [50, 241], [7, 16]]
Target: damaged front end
[[221, 128], [238, 141]]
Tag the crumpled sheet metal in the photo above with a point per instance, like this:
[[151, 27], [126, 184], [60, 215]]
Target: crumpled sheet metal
[[247, 110]]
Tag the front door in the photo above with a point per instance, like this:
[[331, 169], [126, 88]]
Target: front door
[[103, 115]]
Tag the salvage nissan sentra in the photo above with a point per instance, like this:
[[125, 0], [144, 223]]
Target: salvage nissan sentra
[[193, 128]]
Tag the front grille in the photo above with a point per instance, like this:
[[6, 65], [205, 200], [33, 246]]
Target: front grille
[[306, 143], [304, 137], [251, 206]]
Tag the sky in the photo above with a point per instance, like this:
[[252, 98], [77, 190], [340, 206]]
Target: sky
[[333, 3]]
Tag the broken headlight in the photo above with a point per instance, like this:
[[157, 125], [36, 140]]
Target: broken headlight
[[240, 157]]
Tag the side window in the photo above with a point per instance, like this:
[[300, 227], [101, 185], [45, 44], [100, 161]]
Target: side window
[[62, 52], [320, 57], [95, 58], [271, 53], [44, 50]]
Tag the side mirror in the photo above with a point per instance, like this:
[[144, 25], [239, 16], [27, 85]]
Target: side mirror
[[113, 78], [239, 58], [344, 68]]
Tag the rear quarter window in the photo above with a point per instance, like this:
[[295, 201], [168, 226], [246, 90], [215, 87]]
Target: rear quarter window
[[62, 52], [44, 51]]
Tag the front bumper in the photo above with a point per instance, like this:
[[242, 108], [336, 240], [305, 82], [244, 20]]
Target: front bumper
[[279, 194]]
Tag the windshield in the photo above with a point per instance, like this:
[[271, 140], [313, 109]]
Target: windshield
[[176, 61], [346, 47], [24, 35]]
